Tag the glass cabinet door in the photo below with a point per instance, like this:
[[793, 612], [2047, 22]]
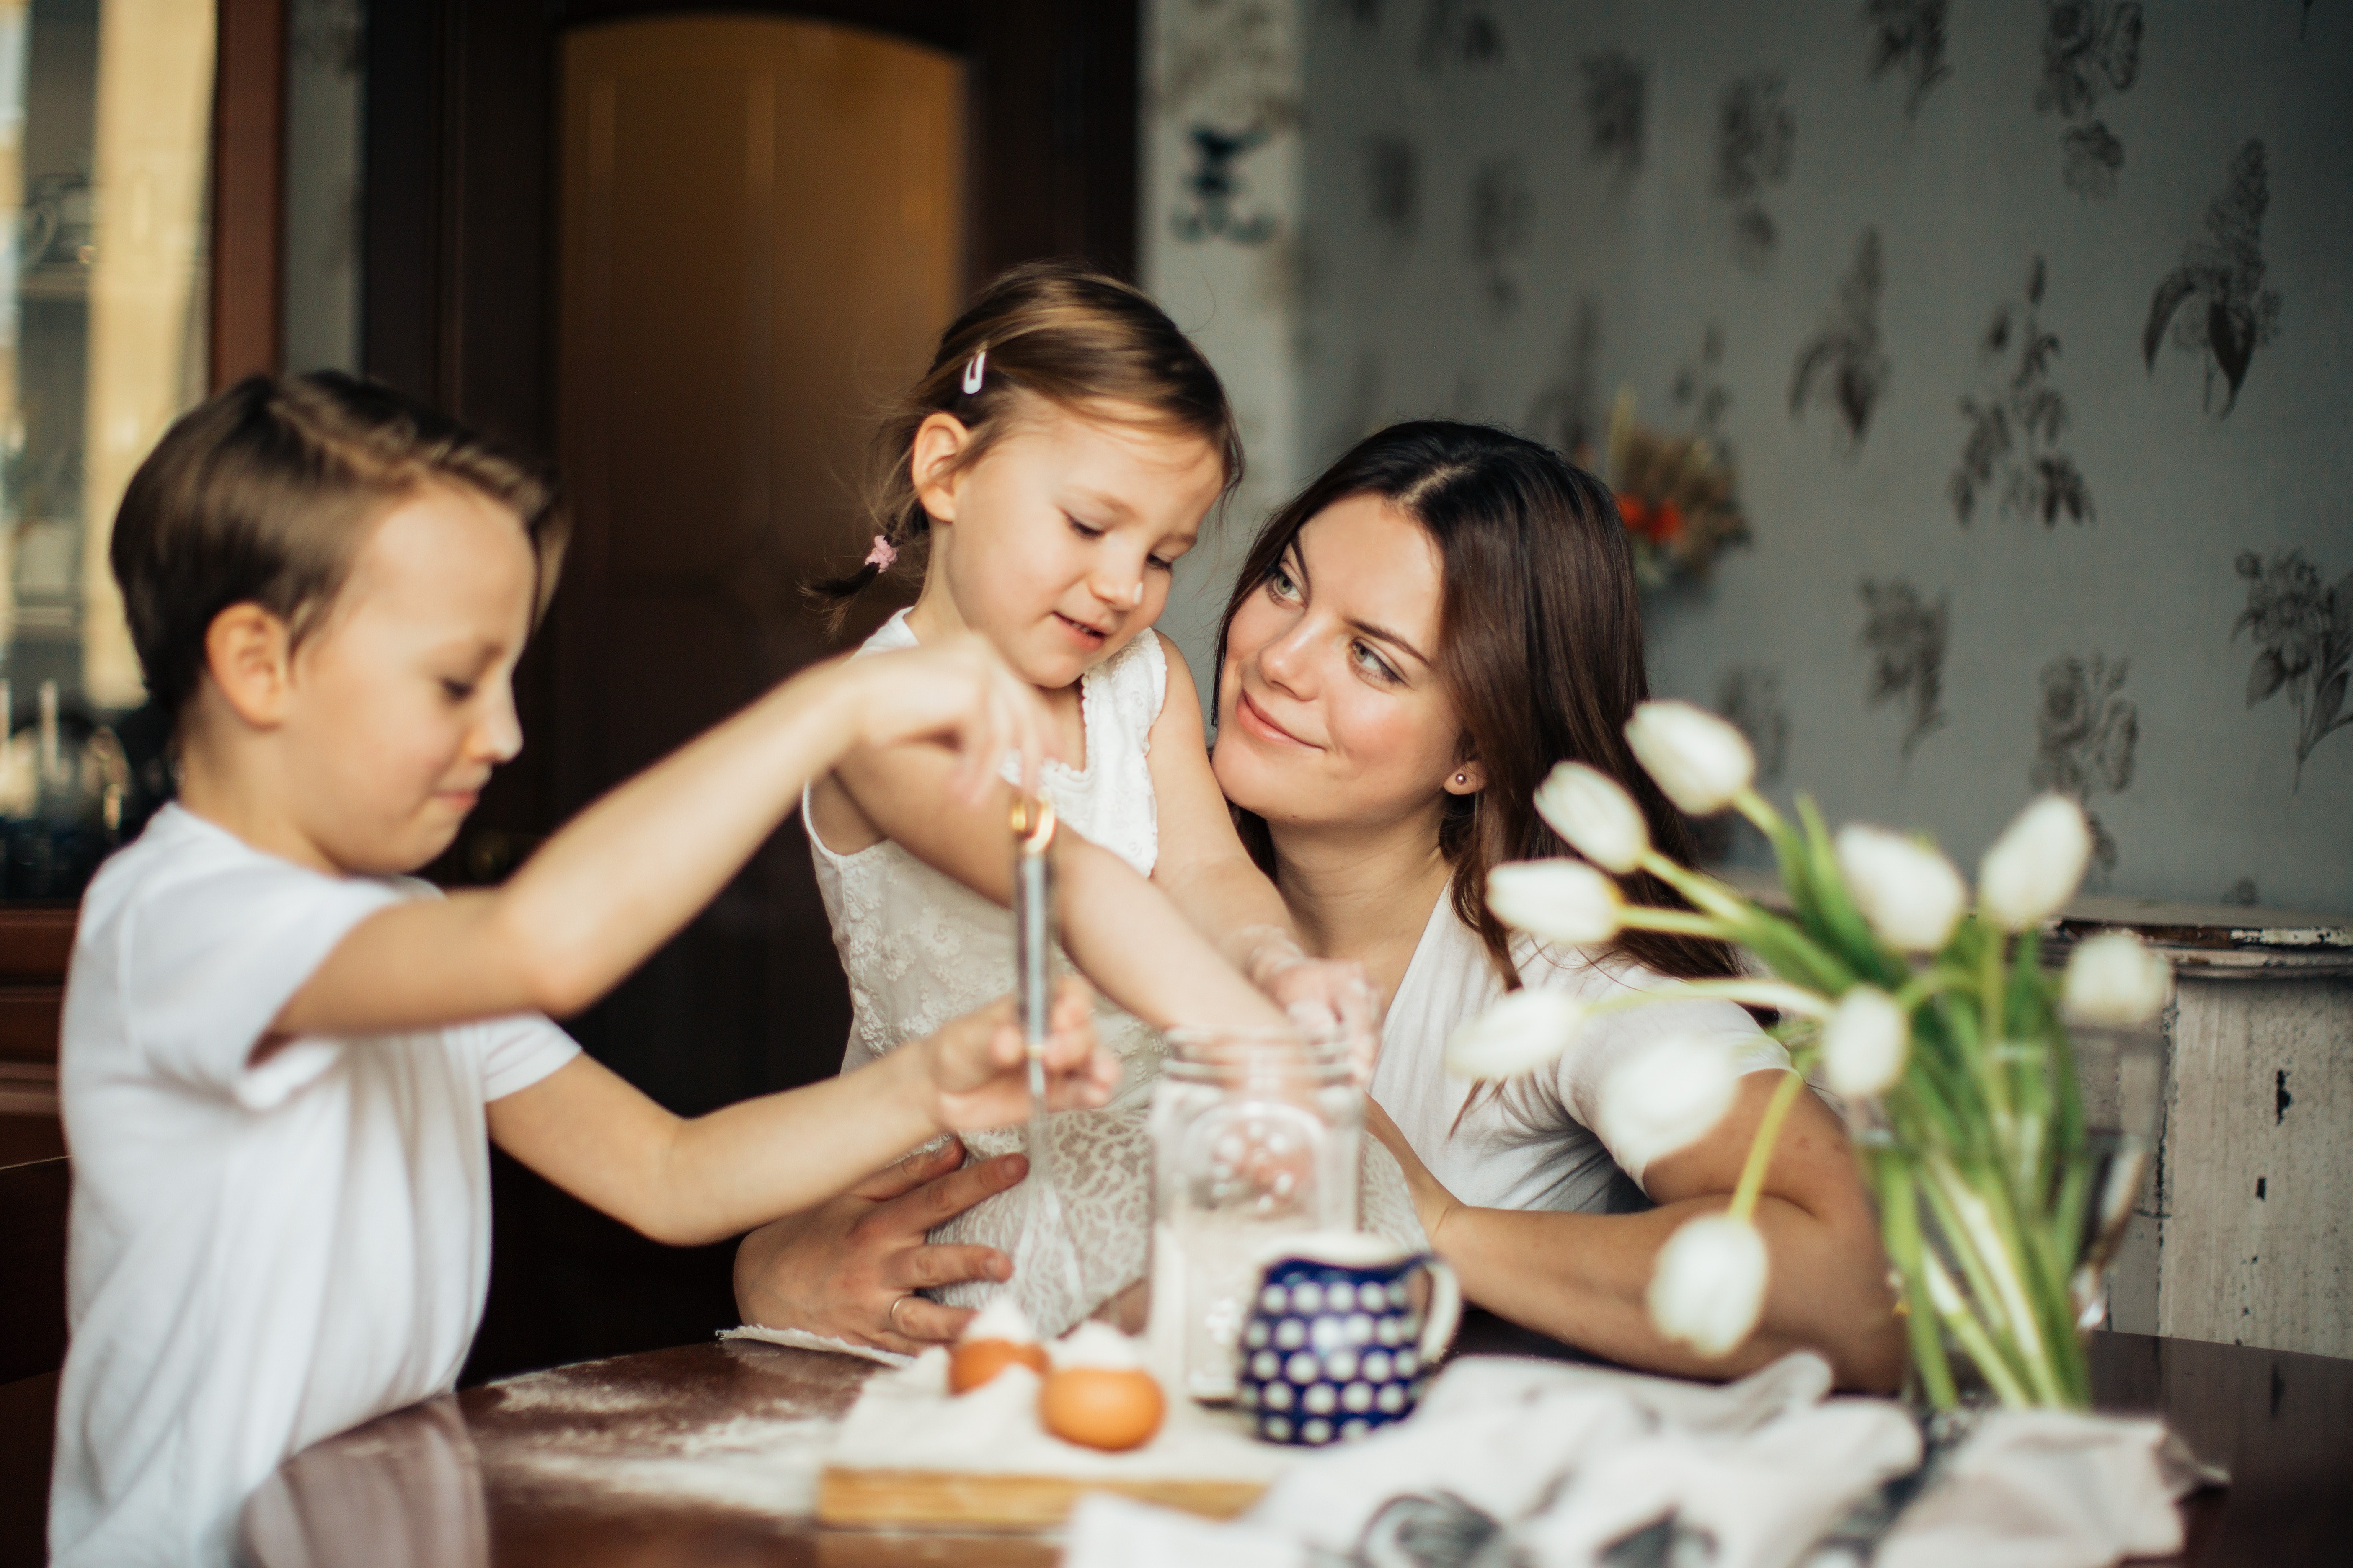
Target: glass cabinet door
[[105, 128]]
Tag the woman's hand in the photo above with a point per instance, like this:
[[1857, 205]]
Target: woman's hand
[[958, 692], [849, 1268], [979, 1063]]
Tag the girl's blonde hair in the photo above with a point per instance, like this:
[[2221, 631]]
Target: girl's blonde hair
[[1045, 328]]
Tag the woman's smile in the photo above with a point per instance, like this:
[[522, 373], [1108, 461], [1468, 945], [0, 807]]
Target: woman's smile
[[1258, 722]]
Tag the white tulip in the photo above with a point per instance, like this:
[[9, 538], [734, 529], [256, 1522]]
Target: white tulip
[[1911, 894], [2036, 864], [1708, 1288], [1665, 1098], [1698, 759], [1595, 814], [2113, 980], [1561, 900], [1526, 1030], [1864, 1043]]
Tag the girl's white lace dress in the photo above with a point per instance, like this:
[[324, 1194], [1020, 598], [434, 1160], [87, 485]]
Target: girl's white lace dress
[[921, 948]]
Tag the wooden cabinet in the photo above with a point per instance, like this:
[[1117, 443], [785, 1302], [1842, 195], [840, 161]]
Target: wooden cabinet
[[35, 944]]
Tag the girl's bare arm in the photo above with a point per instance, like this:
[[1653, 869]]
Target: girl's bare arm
[[1122, 930]]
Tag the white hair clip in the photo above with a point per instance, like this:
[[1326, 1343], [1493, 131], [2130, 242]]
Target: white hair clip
[[974, 369]]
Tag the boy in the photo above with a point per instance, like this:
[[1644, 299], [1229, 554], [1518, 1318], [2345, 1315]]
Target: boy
[[280, 1058]]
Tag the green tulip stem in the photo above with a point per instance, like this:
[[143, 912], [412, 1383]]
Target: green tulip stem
[[1921, 986], [1760, 1149], [1777, 995], [1647, 917], [1964, 1326], [1705, 892], [1758, 810]]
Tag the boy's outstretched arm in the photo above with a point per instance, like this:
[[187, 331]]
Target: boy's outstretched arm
[[622, 877], [687, 1181]]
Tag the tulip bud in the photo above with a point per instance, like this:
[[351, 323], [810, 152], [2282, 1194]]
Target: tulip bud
[[1595, 814], [1665, 1098], [2115, 981], [1561, 900], [1911, 894], [2036, 864], [1698, 759], [1707, 1289], [1526, 1030], [1864, 1043]]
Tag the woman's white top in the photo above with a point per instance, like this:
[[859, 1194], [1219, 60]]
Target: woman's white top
[[921, 948], [1541, 1141]]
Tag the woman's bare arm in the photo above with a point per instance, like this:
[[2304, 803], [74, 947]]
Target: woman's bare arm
[[1582, 1277]]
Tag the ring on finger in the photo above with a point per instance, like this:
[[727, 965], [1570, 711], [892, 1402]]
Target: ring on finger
[[891, 1316]]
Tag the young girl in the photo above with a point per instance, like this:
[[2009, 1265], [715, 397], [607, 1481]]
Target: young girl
[[1061, 452]]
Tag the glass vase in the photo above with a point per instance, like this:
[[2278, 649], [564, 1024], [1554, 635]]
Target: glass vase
[[2003, 1233]]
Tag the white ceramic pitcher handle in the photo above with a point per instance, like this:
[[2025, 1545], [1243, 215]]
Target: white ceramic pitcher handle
[[1445, 1311]]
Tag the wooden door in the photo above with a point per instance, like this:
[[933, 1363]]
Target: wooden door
[[760, 224], [469, 220], [760, 229]]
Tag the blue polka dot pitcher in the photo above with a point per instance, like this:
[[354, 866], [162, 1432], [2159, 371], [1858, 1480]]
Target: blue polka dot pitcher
[[1337, 1344]]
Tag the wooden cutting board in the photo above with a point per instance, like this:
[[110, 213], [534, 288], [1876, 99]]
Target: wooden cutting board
[[972, 1499]]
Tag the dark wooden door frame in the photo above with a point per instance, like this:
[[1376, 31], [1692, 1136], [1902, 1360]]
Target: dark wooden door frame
[[248, 215]]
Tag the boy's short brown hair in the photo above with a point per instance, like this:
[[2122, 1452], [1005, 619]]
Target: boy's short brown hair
[[263, 494]]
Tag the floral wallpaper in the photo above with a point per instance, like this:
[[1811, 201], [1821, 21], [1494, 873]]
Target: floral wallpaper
[[2029, 323]]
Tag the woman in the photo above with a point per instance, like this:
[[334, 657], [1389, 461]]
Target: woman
[[1411, 643]]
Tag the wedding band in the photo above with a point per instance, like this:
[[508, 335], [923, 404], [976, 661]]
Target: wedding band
[[892, 1315]]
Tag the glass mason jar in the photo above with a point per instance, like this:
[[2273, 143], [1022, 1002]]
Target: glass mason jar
[[1255, 1137]]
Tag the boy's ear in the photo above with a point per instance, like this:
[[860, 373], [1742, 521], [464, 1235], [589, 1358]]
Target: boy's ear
[[250, 655], [940, 440]]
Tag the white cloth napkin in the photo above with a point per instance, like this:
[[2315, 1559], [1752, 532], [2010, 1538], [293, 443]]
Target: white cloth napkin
[[1513, 1461]]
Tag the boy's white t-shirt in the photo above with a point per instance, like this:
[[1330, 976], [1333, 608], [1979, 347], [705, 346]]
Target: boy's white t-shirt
[[260, 1256], [1541, 1141]]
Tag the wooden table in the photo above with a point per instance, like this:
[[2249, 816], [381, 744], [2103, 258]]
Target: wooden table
[[655, 1460]]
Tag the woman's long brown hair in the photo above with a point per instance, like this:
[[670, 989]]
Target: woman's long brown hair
[[1540, 647]]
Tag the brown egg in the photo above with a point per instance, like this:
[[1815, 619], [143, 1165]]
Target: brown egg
[[1102, 1406], [976, 1362]]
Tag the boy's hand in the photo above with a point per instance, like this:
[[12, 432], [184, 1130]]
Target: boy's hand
[[959, 692], [980, 1068]]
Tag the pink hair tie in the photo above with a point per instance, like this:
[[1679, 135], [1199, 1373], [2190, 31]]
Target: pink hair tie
[[882, 555]]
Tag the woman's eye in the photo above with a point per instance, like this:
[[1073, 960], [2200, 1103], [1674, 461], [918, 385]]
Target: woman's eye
[[1157, 565], [457, 690], [1372, 664], [1278, 582], [1081, 528]]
